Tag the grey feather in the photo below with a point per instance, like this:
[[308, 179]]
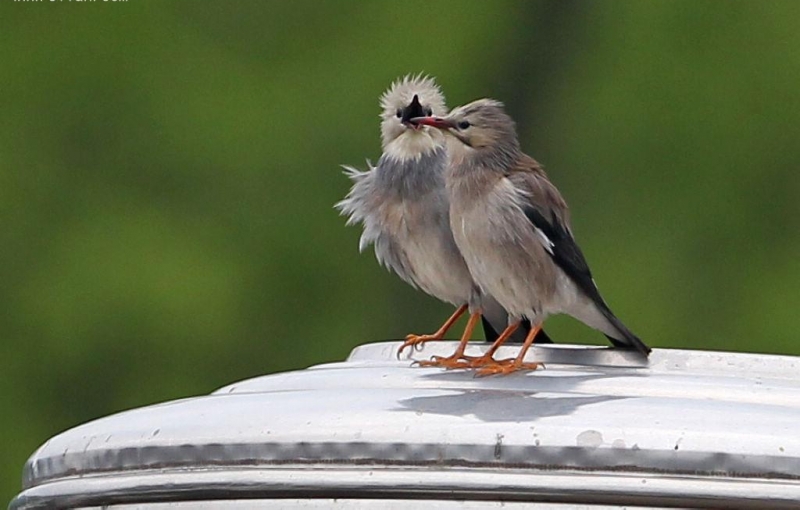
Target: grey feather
[[404, 210]]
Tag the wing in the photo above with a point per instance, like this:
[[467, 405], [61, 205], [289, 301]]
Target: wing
[[548, 213], [564, 250]]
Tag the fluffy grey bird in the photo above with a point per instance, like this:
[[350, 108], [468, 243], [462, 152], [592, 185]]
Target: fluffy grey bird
[[512, 227], [403, 206]]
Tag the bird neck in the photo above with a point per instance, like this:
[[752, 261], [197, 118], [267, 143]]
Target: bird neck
[[495, 159], [411, 179], [412, 145]]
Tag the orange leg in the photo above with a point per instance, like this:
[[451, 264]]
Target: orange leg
[[457, 359], [507, 366], [417, 340], [488, 358]]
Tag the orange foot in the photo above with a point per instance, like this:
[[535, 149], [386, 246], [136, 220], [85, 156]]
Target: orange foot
[[487, 365], [482, 361], [505, 367], [451, 362], [416, 342], [457, 359], [461, 360]]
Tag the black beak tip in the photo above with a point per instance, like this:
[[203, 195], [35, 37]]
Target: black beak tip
[[414, 109]]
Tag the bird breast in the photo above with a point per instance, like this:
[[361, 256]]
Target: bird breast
[[501, 249], [420, 231]]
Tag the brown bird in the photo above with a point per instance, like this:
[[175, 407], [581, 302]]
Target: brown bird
[[512, 227]]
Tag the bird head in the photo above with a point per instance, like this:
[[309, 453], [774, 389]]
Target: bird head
[[407, 98], [482, 125]]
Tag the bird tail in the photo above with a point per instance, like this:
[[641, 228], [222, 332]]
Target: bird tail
[[628, 340]]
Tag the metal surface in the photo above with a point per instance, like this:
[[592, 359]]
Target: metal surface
[[595, 426], [361, 504]]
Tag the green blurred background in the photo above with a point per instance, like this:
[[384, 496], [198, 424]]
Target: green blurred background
[[168, 171]]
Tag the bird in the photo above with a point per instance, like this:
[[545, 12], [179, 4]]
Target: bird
[[513, 228], [403, 206]]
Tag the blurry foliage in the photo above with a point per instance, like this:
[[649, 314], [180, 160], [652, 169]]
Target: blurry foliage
[[168, 171]]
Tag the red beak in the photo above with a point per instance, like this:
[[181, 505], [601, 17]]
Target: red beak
[[437, 122]]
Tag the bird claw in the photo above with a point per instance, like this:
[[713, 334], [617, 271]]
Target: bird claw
[[416, 342], [505, 367], [449, 363]]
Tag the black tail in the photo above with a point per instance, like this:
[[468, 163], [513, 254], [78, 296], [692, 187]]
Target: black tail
[[519, 335], [628, 340]]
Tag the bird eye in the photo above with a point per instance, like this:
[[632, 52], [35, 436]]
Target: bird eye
[[463, 124], [428, 111], [399, 113]]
